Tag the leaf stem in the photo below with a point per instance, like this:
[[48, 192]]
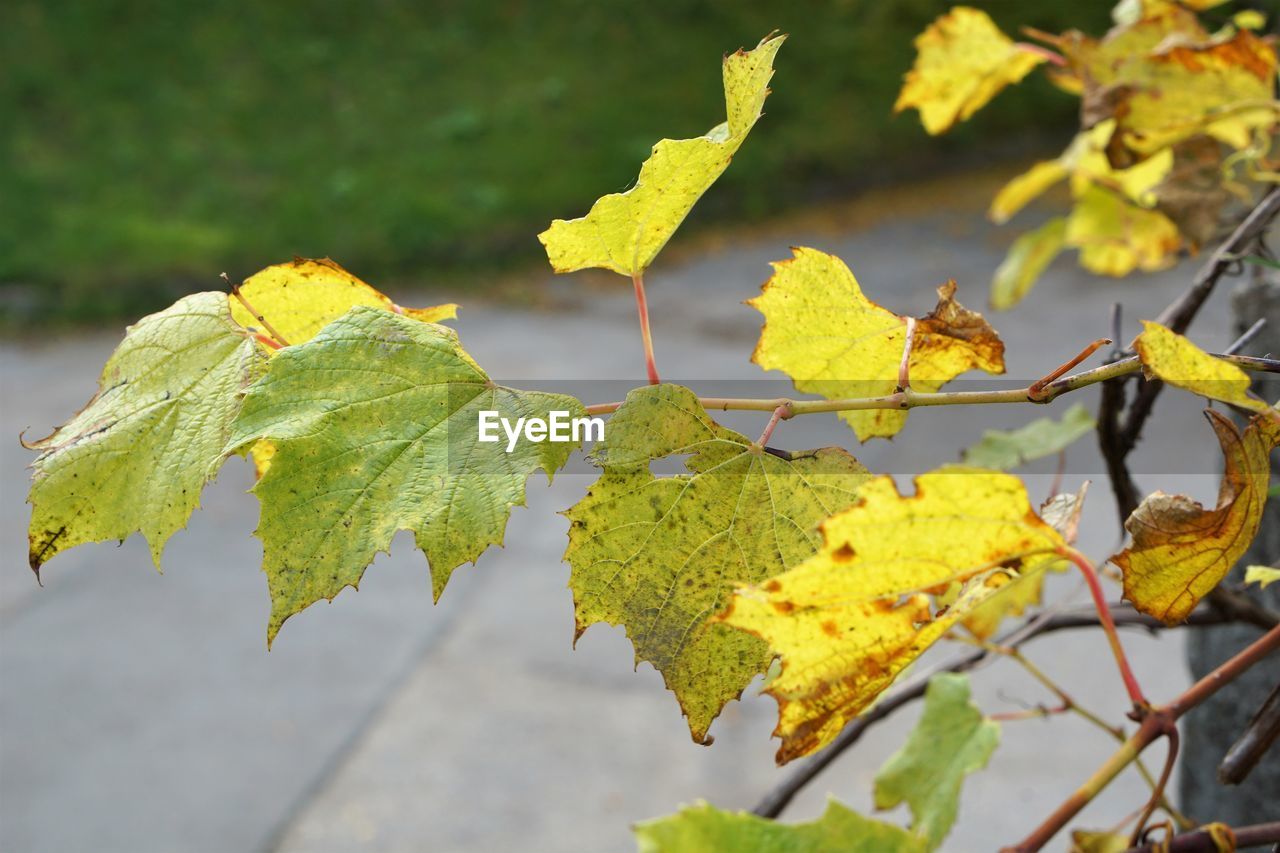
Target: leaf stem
[[904, 367], [642, 309], [1045, 53], [909, 399], [781, 413], [1108, 624], [279, 341]]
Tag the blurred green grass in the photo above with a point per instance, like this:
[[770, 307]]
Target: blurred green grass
[[153, 145]]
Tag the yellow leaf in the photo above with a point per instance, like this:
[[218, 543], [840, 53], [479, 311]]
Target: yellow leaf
[[1116, 237], [1031, 184], [962, 62], [1028, 258], [1085, 162], [624, 232], [1164, 78], [1263, 576], [1181, 363], [1249, 19], [1215, 85], [832, 340], [300, 298], [1015, 594], [850, 618], [1181, 550]]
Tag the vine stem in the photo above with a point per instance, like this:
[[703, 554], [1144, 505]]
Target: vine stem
[[642, 309], [1157, 794], [1203, 839], [909, 399], [1155, 724], [1108, 624]]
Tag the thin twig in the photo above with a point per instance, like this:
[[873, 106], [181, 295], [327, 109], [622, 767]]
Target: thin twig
[[1069, 703], [1249, 334], [1157, 794], [777, 799], [1155, 724], [1181, 312], [1259, 736]]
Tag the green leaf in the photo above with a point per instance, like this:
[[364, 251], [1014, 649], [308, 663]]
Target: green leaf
[[661, 555], [1003, 450], [374, 426], [624, 232], [703, 828], [139, 453], [951, 741]]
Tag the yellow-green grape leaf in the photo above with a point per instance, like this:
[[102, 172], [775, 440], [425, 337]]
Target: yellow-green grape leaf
[[1176, 360], [625, 231], [1263, 576], [375, 427], [661, 555], [702, 828], [848, 620], [1181, 550], [1115, 236], [1015, 593], [1003, 450], [137, 456], [300, 298], [952, 740], [962, 62], [1028, 258], [823, 332]]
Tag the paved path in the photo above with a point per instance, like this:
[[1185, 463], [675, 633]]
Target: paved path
[[142, 713]]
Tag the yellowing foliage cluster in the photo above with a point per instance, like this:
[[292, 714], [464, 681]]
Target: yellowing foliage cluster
[[1178, 128]]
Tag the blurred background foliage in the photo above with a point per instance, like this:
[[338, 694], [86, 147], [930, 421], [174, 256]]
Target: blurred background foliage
[[151, 145]]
